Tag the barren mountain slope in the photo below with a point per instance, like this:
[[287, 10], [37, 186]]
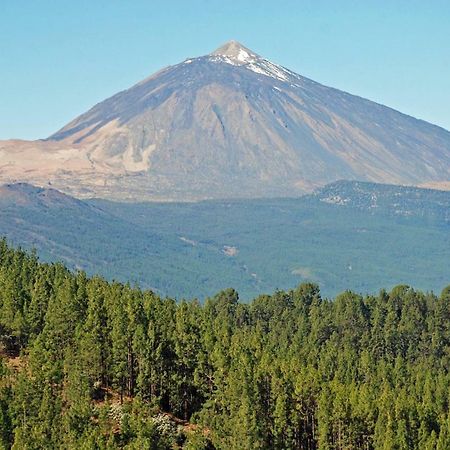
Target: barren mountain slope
[[229, 124]]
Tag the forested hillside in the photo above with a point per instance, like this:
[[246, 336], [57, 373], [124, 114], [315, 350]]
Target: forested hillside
[[348, 235], [91, 364]]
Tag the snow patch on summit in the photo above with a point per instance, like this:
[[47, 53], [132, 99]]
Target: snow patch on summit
[[243, 55], [257, 65], [265, 67], [236, 54]]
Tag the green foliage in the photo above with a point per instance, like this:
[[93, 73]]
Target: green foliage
[[350, 235], [106, 366]]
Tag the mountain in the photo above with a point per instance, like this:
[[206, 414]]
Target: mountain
[[345, 235], [229, 124]]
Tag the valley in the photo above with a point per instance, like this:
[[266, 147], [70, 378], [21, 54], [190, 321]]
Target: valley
[[346, 235]]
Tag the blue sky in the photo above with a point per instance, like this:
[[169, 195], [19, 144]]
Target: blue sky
[[58, 58]]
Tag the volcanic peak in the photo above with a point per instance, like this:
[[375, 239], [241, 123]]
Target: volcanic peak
[[236, 54], [236, 51]]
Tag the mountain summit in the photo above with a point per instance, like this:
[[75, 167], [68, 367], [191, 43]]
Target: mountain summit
[[235, 50], [229, 124]]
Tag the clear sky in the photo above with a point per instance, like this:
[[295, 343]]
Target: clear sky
[[58, 58]]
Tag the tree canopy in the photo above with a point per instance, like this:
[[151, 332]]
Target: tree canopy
[[91, 364]]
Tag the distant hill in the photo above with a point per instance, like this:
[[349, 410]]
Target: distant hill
[[88, 237], [345, 235], [27, 195], [229, 124], [388, 199]]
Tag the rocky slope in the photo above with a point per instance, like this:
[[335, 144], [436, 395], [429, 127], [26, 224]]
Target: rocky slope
[[229, 124]]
